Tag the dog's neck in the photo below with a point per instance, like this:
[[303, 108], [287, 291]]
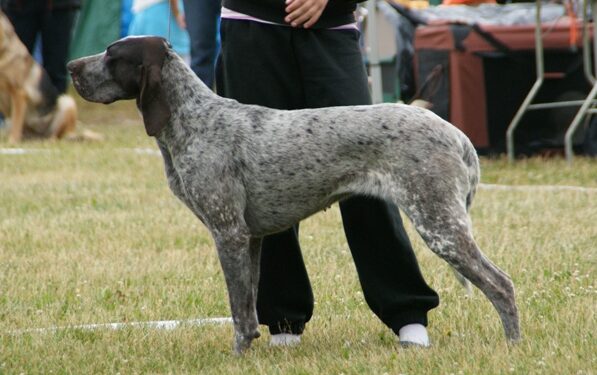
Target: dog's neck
[[192, 104], [181, 85]]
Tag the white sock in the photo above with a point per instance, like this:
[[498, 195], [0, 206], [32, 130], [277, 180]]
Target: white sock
[[414, 334], [285, 339]]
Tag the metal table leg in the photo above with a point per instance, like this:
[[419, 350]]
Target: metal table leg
[[539, 62], [587, 106], [540, 67]]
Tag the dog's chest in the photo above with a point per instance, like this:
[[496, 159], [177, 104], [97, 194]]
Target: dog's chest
[[177, 176]]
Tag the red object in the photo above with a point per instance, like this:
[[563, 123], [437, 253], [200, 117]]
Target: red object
[[467, 101]]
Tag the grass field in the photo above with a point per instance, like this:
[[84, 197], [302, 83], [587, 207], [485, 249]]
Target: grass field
[[89, 233]]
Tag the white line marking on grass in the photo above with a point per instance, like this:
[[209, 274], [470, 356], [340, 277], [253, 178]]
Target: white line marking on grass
[[158, 324], [26, 151], [21, 151], [155, 152], [578, 189], [143, 151]]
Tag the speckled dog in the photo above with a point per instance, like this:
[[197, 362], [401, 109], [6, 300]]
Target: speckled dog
[[247, 171]]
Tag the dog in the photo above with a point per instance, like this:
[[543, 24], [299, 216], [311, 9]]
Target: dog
[[248, 171], [26, 93]]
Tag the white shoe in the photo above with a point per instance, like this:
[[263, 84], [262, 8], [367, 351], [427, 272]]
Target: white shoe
[[414, 335], [285, 339]]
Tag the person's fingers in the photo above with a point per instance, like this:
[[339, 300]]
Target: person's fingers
[[304, 12], [313, 19], [300, 18], [295, 10], [292, 5]]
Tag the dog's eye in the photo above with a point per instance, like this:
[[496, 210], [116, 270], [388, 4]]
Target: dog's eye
[[111, 50], [109, 55]]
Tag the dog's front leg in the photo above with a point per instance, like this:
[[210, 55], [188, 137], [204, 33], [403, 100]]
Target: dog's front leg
[[255, 249], [239, 268], [19, 106]]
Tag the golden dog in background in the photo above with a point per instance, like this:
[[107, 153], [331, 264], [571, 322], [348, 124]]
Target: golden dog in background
[[35, 107]]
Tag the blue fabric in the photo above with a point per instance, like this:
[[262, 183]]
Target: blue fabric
[[126, 15], [37, 55], [154, 21], [203, 25]]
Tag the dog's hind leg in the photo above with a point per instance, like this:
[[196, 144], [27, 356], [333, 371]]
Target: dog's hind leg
[[65, 119], [444, 225], [255, 253], [464, 282], [238, 263]]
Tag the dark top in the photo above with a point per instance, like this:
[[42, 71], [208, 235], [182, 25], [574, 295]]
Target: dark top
[[39, 5], [336, 13]]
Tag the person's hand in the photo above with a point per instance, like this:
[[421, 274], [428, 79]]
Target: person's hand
[[304, 12]]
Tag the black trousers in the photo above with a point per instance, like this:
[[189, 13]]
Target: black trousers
[[286, 68], [55, 28]]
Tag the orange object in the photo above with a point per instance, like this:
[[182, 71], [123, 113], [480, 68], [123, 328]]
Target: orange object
[[573, 30]]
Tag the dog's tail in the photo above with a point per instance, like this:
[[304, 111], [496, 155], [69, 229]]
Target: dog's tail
[[469, 156], [474, 172]]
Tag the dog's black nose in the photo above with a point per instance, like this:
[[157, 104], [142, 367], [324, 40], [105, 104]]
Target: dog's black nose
[[74, 66]]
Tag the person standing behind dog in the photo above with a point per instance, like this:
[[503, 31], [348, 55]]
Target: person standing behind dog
[[54, 20], [150, 17], [297, 54], [203, 20]]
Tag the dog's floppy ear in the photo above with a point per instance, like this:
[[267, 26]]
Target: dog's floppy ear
[[151, 100]]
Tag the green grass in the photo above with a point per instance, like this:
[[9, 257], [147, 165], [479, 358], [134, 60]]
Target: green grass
[[89, 233]]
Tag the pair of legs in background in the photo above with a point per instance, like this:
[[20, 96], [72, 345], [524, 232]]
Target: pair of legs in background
[[203, 18], [55, 28], [286, 68]]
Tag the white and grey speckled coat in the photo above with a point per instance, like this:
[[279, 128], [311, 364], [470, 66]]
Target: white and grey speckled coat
[[248, 171]]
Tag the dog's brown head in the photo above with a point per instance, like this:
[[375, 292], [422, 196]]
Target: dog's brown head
[[130, 68]]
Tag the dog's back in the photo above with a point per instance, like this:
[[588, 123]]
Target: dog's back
[[336, 152]]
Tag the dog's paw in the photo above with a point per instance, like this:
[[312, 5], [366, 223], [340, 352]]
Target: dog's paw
[[242, 343], [85, 135]]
